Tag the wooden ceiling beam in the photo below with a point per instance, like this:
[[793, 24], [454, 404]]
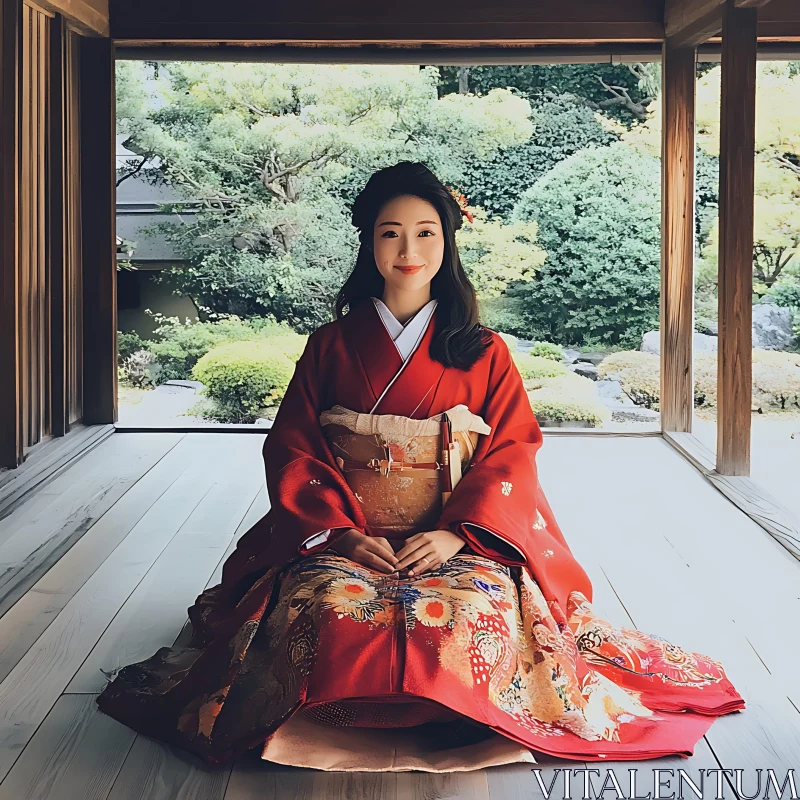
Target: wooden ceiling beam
[[688, 23]]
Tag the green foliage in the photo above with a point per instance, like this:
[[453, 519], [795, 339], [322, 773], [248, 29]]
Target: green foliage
[[786, 294], [178, 345], [494, 253], [622, 91], [548, 350], [563, 125], [777, 185], [599, 221], [128, 344], [269, 155], [503, 313], [244, 377]]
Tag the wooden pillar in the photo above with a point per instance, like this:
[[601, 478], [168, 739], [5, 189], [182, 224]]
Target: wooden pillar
[[11, 439], [677, 237], [98, 190], [736, 189], [55, 231]]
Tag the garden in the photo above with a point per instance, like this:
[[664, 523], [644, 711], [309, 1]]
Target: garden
[[560, 166]]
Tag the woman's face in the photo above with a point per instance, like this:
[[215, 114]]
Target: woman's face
[[408, 242]]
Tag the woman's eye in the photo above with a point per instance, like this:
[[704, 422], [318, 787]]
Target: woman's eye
[[386, 233], [430, 232]]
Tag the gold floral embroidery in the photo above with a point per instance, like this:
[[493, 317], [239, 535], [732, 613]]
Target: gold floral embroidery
[[315, 481], [540, 523], [547, 553]]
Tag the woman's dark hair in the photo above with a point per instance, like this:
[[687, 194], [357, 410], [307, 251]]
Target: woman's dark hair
[[459, 339]]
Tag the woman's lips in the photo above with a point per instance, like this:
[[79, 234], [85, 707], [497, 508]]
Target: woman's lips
[[410, 270]]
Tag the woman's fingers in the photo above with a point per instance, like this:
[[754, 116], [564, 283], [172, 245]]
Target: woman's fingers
[[421, 558], [376, 562], [384, 549], [425, 566], [411, 553]]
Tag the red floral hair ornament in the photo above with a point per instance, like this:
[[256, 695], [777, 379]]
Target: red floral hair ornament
[[461, 200]]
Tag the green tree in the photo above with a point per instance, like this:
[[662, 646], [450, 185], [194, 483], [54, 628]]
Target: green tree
[[599, 219], [622, 91], [563, 124], [268, 157]]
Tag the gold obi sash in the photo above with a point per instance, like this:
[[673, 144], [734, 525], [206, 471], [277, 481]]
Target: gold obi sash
[[402, 470]]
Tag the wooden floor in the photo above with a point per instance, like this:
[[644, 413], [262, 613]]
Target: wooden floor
[[99, 567]]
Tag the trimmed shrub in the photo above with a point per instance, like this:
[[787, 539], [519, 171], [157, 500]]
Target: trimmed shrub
[[776, 380], [555, 404], [548, 350], [243, 377], [536, 367], [179, 345], [705, 379]]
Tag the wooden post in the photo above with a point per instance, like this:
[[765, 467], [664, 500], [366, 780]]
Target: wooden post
[[677, 237], [11, 439], [736, 189], [56, 282], [98, 190]]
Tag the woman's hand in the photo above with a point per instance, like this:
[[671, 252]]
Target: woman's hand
[[374, 552], [428, 550]]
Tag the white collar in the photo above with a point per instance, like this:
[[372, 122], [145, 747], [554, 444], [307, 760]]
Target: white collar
[[406, 337]]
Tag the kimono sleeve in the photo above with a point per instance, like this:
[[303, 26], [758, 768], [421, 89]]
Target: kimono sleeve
[[496, 507], [307, 492]]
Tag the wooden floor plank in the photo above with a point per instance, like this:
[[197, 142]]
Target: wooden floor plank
[[48, 460], [153, 615], [252, 778], [678, 565], [94, 463], [256, 511], [33, 686], [36, 545], [664, 594], [156, 771], [76, 754], [24, 622]]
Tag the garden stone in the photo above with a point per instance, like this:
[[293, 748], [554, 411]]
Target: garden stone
[[611, 395], [591, 358], [711, 328], [524, 345], [570, 356], [772, 327], [196, 385], [585, 369], [634, 415]]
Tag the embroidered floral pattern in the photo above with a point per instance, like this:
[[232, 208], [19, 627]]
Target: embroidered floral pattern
[[472, 625]]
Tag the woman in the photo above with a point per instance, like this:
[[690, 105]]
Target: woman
[[413, 610]]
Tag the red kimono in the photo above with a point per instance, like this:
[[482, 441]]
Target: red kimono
[[502, 634]]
